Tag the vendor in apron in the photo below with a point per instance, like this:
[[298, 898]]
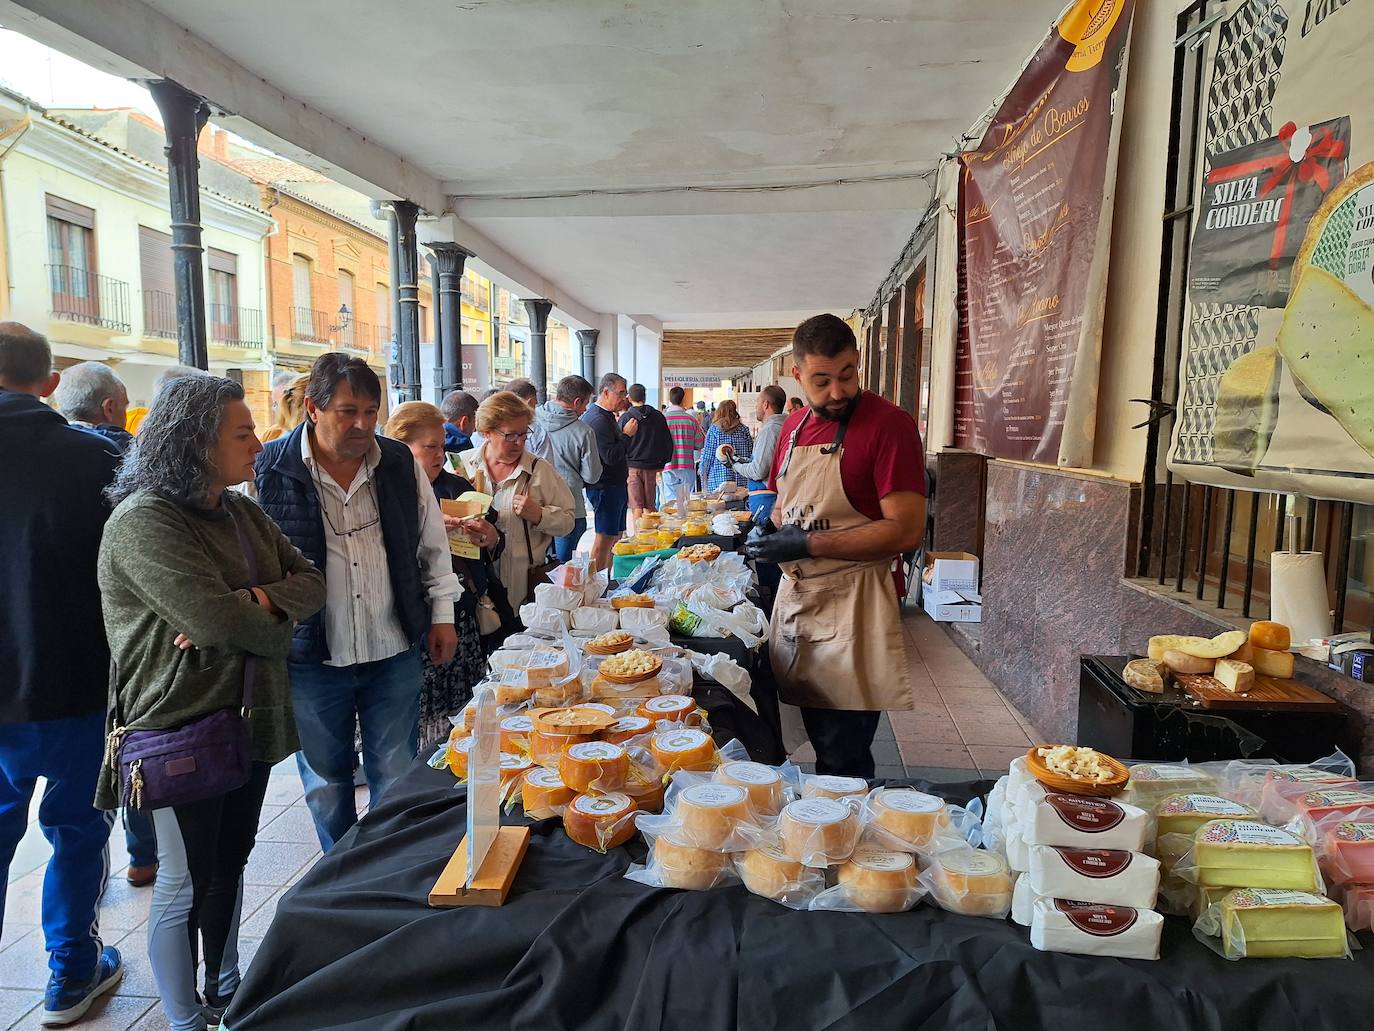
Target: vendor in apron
[[758, 471], [850, 480]]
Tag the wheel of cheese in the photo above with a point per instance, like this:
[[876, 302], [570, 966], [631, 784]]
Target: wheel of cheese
[[762, 783], [647, 789], [600, 821], [974, 882], [546, 748], [818, 831], [543, 792], [627, 728], [1182, 662], [709, 814], [543, 667], [609, 710], [458, 733], [469, 715], [682, 866], [514, 766], [558, 695], [1265, 633], [512, 688], [595, 766], [878, 881], [774, 874], [515, 733], [913, 817], [458, 755], [685, 748], [674, 708], [624, 695], [825, 786]]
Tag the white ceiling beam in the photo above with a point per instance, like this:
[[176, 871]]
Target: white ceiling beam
[[132, 40]]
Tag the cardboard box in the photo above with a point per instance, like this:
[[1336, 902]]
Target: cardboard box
[[951, 571], [953, 606]]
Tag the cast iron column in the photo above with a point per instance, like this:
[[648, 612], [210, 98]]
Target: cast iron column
[[538, 310], [382, 210], [438, 367], [587, 338], [408, 293], [184, 115], [449, 260]]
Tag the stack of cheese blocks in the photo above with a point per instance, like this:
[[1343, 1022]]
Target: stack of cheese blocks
[[579, 608], [1084, 883]]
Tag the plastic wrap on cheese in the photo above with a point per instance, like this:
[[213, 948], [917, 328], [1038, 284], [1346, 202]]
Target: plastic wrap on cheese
[[1093, 929], [1151, 783], [1078, 821], [1023, 900], [1344, 842], [872, 880], [1255, 923], [1108, 876], [671, 864], [772, 874], [596, 619], [1247, 854], [973, 882], [1246, 780]]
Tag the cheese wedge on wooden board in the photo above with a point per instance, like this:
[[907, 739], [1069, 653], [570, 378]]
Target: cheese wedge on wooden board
[[1271, 663], [1181, 662], [1247, 410], [1236, 677]]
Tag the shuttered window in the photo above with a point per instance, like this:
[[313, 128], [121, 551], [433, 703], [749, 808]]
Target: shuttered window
[[157, 283]]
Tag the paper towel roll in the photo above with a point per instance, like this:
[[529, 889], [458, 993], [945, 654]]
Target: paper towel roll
[[1297, 594]]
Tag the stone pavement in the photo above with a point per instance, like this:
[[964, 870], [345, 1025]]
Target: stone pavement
[[961, 728]]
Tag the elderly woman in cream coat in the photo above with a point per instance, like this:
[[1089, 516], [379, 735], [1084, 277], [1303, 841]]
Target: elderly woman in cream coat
[[533, 504]]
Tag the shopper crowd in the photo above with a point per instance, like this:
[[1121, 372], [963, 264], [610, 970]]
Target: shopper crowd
[[180, 578]]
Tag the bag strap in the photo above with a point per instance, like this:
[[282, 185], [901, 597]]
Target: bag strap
[[524, 523], [250, 661]]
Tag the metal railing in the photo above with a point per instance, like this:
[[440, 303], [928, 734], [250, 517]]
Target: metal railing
[[159, 314], [310, 326], [79, 295], [231, 326], [356, 336]]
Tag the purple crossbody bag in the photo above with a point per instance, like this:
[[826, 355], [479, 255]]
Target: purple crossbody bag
[[208, 756]]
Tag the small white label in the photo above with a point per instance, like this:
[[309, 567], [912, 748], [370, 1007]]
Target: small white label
[[630, 724], [713, 796], [911, 801], [514, 762], [1164, 773], [681, 740], [602, 805], [668, 703], [1258, 898], [609, 710], [1209, 804], [595, 750], [517, 724], [876, 859], [976, 863], [462, 744], [542, 778], [542, 660], [817, 810], [1242, 832], [750, 773], [845, 785]]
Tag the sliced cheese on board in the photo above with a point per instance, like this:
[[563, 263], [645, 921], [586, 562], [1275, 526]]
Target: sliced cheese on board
[[1092, 929], [1245, 854], [1081, 822], [1108, 876]]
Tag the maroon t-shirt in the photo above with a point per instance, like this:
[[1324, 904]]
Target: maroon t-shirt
[[882, 452]]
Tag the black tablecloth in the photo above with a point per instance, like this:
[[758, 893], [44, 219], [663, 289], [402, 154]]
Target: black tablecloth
[[354, 945]]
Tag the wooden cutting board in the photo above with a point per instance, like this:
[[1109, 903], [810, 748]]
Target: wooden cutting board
[[1268, 693]]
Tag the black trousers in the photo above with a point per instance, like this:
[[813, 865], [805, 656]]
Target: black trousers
[[843, 740]]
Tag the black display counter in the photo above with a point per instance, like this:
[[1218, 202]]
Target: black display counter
[[354, 945]]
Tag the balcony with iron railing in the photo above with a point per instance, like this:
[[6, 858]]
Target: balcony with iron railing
[[311, 326], [79, 295], [356, 336], [228, 325]]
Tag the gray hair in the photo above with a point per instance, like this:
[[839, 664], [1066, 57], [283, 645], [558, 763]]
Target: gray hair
[[171, 454], [458, 404], [171, 374], [25, 357], [85, 388]]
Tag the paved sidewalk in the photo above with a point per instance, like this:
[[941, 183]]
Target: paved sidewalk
[[960, 728]]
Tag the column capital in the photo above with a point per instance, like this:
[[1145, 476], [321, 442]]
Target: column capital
[[538, 310], [449, 258]]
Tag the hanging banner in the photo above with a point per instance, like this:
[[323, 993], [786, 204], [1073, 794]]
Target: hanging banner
[[1276, 379], [1034, 224]]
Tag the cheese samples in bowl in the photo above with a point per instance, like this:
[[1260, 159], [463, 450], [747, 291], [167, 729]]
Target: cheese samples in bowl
[[1108, 876], [818, 831], [971, 881], [905, 819], [1245, 854], [1267, 922], [1079, 822], [1093, 929]]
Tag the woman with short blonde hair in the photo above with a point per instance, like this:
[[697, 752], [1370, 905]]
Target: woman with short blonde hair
[[726, 428], [290, 410], [533, 504]]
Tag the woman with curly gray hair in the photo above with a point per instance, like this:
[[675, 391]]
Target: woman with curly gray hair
[[199, 590]]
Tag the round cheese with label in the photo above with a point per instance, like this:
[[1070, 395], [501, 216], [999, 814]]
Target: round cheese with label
[[514, 766], [600, 822], [543, 793], [458, 755], [818, 831], [708, 814], [762, 783], [684, 749], [825, 786], [674, 708], [596, 766], [515, 733], [912, 817], [682, 866], [775, 875], [647, 789], [878, 881], [627, 728], [974, 882], [546, 748]]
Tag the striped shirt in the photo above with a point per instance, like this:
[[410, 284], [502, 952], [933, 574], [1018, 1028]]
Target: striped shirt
[[688, 437]]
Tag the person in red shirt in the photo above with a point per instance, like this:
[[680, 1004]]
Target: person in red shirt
[[850, 477]]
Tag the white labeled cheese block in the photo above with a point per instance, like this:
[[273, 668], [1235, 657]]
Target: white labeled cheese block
[[1092, 929], [911, 818], [1023, 900], [762, 783], [1077, 821], [1109, 876]]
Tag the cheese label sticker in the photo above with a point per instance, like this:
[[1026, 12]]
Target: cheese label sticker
[[1089, 815], [1097, 920], [627, 724], [595, 750], [681, 740], [828, 782], [817, 810], [540, 660], [513, 678], [1209, 804], [609, 710], [517, 724], [1337, 799], [1097, 863], [1165, 773], [602, 805], [1244, 832], [1260, 898], [1308, 775], [713, 796], [911, 801], [750, 773], [975, 863], [514, 762], [461, 745], [668, 703], [1352, 831], [877, 859], [542, 778]]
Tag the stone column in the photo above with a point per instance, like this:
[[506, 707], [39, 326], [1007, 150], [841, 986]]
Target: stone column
[[449, 261], [587, 338], [538, 310], [184, 115]]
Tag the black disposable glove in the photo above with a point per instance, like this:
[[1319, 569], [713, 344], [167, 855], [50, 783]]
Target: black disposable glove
[[786, 545]]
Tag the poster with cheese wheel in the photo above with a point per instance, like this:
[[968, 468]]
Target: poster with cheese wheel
[[1276, 375]]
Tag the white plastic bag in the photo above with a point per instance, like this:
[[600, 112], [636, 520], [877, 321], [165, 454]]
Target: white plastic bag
[[537, 617], [746, 622], [597, 619], [726, 672], [554, 597]]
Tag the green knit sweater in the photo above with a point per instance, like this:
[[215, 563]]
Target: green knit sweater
[[167, 569]]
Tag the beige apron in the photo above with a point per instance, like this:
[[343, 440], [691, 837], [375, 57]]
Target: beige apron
[[836, 637]]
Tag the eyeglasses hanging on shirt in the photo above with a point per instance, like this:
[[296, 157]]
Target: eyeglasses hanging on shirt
[[324, 508]]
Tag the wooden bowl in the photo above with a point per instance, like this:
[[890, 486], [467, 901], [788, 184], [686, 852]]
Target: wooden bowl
[[613, 649], [632, 601], [1058, 782], [618, 678]]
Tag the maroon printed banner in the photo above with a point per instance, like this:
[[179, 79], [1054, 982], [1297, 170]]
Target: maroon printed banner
[[1034, 225]]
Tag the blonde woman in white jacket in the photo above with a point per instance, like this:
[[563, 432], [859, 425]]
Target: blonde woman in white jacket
[[533, 504]]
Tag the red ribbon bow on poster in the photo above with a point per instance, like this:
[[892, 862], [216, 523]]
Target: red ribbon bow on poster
[[1322, 147]]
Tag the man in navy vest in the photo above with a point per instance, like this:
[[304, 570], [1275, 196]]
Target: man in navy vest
[[360, 508]]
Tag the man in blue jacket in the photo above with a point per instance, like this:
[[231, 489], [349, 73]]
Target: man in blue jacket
[[54, 665]]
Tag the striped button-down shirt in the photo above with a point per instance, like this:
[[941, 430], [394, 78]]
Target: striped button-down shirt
[[360, 608]]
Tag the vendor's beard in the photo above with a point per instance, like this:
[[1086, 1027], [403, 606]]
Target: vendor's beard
[[843, 415]]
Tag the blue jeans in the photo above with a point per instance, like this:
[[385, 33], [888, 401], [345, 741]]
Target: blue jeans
[[140, 837], [564, 547], [384, 698], [68, 754]]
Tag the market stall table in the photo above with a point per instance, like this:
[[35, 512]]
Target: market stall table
[[354, 945]]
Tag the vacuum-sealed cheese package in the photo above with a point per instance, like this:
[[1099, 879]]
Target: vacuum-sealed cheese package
[[907, 820], [552, 596], [819, 832], [1253, 923], [773, 874], [1109, 876], [872, 880], [702, 812], [971, 881], [1344, 841], [1246, 854], [1093, 929], [1078, 821], [600, 822], [671, 864], [1151, 783]]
